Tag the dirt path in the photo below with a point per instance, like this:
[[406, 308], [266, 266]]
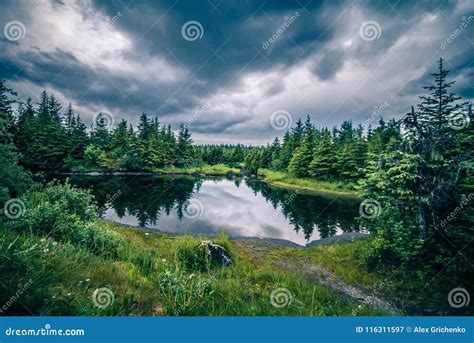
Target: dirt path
[[257, 249]]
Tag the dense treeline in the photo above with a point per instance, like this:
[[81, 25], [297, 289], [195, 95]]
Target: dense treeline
[[51, 139], [232, 155], [337, 154], [48, 139], [424, 187], [306, 151], [415, 174]]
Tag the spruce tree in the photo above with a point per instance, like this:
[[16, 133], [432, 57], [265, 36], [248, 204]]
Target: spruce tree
[[100, 136], [303, 155], [184, 147], [79, 138], [323, 164]]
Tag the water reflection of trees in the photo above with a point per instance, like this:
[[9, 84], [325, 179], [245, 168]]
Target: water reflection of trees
[[146, 198], [311, 212]]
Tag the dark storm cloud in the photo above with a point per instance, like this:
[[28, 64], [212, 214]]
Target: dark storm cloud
[[233, 36], [130, 57]]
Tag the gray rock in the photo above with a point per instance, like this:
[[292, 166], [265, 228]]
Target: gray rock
[[216, 253]]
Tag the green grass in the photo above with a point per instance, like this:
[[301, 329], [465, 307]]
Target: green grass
[[406, 288], [283, 179], [60, 249], [342, 260], [214, 170], [148, 276]]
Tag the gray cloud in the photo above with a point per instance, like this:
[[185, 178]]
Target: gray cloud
[[130, 57]]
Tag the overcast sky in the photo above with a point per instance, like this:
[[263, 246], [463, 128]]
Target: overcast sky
[[236, 70]]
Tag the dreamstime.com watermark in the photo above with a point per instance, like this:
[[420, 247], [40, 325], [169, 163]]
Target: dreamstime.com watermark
[[9, 125], [464, 202], [381, 286], [287, 201], [370, 208], [113, 20], [281, 297], [193, 209], [466, 21], [459, 120], [14, 30], [104, 118], [103, 297], [203, 109], [14, 208], [46, 331], [22, 288], [287, 21], [458, 297], [370, 30], [192, 30], [110, 198], [281, 120], [377, 112]]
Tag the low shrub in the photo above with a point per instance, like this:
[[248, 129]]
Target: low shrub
[[76, 201], [65, 214]]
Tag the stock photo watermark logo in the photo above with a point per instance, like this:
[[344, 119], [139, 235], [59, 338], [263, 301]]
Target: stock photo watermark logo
[[104, 118], [377, 112], [110, 198], [44, 331], [14, 208], [459, 120], [458, 297], [287, 21], [113, 20], [370, 208], [281, 297], [192, 30], [203, 109], [274, 215], [466, 21], [281, 120], [14, 30], [21, 289], [464, 202], [370, 30], [103, 297], [9, 125], [193, 209]]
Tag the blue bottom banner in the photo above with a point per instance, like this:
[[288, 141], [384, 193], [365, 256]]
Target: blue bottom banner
[[236, 329]]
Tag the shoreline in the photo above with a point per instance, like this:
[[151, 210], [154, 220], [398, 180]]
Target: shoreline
[[341, 238], [311, 191], [230, 172], [163, 173]]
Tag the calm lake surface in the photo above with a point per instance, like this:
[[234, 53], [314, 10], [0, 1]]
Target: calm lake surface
[[240, 207]]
